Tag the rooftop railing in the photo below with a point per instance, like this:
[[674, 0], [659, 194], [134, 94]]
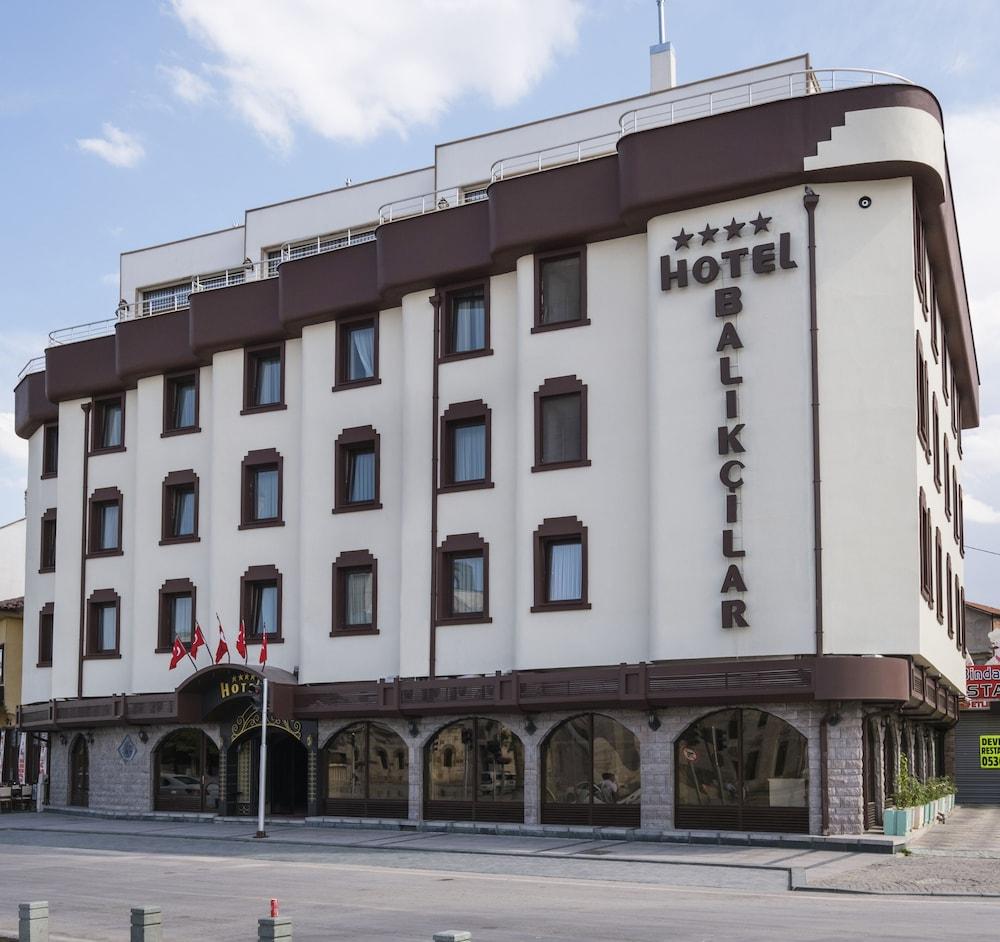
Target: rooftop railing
[[34, 365], [430, 203], [83, 331]]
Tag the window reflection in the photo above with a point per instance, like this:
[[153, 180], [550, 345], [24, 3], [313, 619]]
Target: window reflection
[[592, 759], [188, 772], [475, 760], [367, 761]]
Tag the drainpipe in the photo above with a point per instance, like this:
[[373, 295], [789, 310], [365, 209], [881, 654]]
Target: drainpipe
[[83, 546], [809, 201], [435, 300]]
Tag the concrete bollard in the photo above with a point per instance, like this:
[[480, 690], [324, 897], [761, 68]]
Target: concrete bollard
[[274, 927], [453, 935], [147, 924], [33, 922]]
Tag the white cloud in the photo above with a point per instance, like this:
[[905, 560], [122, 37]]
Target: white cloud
[[186, 85], [13, 450], [978, 512], [350, 71], [119, 148]]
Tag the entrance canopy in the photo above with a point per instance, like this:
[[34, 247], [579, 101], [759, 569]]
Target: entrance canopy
[[223, 691]]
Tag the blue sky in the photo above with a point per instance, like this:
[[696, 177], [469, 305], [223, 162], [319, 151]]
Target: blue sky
[[207, 107]]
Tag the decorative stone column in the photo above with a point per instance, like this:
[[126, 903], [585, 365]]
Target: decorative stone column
[[845, 768], [310, 739]]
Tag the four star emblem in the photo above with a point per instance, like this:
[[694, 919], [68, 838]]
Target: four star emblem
[[734, 230]]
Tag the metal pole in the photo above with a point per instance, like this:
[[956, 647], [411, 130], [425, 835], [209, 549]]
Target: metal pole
[[262, 777]]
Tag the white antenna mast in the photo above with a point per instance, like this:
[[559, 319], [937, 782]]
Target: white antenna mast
[[661, 10], [662, 61]]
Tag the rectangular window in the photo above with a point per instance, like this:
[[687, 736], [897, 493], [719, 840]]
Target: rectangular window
[[262, 485], [180, 615], [926, 566], [109, 424], [560, 565], [354, 593], [560, 290], [46, 619], [945, 388], [358, 598], [938, 577], [560, 424], [102, 633], [360, 474], [47, 562], [50, 451], [463, 579], [357, 362], [948, 581], [182, 499], [466, 322], [180, 404], [469, 451], [105, 522], [919, 256], [923, 418], [356, 472], [262, 602], [936, 441], [465, 573], [164, 300], [264, 384]]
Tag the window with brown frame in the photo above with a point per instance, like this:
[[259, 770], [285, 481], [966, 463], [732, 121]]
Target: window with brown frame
[[954, 500], [919, 255], [355, 594], [944, 368], [561, 424], [938, 580], [465, 446], [935, 317], [923, 422], [105, 536], [263, 378], [46, 620], [926, 570], [560, 289], [179, 510], [465, 331], [560, 565], [357, 352], [463, 580], [260, 604], [47, 560], [960, 514], [180, 403], [261, 499], [961, 608], [948, 582], [50, 450], [936, 440], [176, 613], [356, 471], [103, 624], [956, 411], [946, 461], [108, 429]]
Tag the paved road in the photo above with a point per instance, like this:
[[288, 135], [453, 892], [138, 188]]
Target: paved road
[[214, 887]]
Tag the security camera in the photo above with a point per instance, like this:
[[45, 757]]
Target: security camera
[[865, 202]]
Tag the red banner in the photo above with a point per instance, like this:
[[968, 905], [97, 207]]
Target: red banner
[[982, 684]]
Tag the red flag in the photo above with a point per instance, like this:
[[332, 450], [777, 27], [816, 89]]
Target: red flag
[[241, 641], [263, 648], [198, 641], [178, 653], [223, 648]]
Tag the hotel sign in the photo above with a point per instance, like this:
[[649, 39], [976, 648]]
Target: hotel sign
[[728, 305]]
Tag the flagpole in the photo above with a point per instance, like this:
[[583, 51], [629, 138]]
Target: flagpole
[[262, 779]]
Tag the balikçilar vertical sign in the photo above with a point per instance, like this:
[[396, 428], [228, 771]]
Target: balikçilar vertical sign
[[727, 305]]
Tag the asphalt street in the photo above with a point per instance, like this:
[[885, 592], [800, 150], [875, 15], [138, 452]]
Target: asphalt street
[[214, 888]]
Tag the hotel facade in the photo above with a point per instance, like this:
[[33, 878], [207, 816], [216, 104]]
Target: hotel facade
[[613, 483]]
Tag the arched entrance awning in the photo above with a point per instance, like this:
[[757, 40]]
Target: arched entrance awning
[[224, 691]]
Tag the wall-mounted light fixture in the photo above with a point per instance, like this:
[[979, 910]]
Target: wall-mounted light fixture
[[654, 721], [143, 736], [529, 726], [414, 728]]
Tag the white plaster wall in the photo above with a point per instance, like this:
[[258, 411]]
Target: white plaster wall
[[687, 403], [39, 588], [12, 549]]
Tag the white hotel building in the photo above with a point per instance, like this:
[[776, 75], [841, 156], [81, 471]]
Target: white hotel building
[[617, 483]]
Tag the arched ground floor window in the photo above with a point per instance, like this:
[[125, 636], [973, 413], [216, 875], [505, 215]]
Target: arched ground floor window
[[186, 772], [742, 770], [79, 773], [474, 771], [590, 773], [367, 773]]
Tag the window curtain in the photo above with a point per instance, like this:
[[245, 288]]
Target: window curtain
[[565, 572], [106, 628], [361, 362], [264, 609], [470, 452], [109, 527], [112, 421], [268, 381], [467, 585], [361, 479], [184, 406], [183, 513], [359, 598], [266, 496], [561, 290], [182, 617], [561, 438], [468, 327]]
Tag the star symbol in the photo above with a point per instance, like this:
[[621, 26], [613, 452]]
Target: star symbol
[[707, 234], [760, 223], [683, 239], [733, 229]]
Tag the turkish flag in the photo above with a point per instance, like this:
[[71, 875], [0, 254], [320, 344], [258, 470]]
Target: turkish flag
[[198, 641], [223, 648], [178, 653], [263, 649], [241, 641]]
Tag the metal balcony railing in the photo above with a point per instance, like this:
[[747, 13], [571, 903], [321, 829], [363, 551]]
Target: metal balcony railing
[[34, 365], [429, 203], [83, 331]]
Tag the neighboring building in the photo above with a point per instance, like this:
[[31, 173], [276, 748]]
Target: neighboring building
[[11, 629], [614, 483], [977, 770], [12, 536]]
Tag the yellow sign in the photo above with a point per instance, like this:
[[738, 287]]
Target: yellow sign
[[989, 752]]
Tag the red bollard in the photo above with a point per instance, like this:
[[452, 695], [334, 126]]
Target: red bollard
[[274, 908]]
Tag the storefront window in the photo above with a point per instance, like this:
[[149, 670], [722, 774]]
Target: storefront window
[[367, 761], [187, 772]]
